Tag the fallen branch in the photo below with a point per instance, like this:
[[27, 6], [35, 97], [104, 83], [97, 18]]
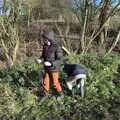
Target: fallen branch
[[65, 49]]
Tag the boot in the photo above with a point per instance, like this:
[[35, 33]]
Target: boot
[[60, 95], [47, 94]]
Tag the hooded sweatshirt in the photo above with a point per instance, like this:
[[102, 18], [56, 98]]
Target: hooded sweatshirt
[[52, 53]]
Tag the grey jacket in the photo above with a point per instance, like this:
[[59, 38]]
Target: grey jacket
[[74, 69]]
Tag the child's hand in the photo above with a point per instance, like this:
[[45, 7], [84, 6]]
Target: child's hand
[[38, 61]]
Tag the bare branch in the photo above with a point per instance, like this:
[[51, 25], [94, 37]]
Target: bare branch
[[5, 49], [114, 44], [15, 50]]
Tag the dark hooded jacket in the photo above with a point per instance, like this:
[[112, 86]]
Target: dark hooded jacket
[[52, 53], [73, 69]]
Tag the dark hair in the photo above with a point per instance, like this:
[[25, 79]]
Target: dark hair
[[43, 36]]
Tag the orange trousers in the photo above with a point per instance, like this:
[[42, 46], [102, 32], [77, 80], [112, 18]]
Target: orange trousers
[[46, 81]]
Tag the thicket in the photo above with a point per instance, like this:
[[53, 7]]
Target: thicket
[[20, 92]]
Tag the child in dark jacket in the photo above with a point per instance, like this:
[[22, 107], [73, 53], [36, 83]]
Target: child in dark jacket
[[52, 56]]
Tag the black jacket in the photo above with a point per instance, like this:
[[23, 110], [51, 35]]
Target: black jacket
[[53, 54], [73, 69]]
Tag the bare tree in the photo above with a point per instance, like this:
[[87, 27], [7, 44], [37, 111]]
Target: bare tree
[[9, 36], [93, 21]]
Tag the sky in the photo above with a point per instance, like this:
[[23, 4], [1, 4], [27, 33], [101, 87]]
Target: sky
[[114, 2]]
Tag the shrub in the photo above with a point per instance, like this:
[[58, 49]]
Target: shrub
[[20, 90]]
